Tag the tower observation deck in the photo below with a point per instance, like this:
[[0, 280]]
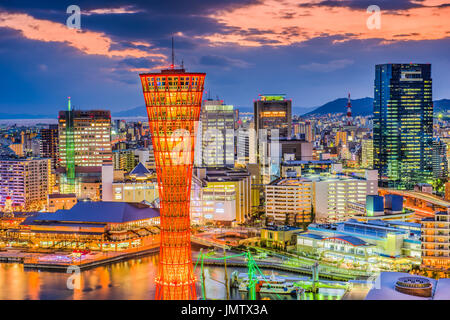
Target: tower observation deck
[[173, 99]]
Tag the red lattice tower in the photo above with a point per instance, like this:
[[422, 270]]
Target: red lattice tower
[[173, 99], [349, 111]]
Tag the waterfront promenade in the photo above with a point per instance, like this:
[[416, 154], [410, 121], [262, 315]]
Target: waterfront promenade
[[60, 261]]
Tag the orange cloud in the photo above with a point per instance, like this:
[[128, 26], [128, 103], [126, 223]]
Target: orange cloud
[[279, 23], [88, 42]]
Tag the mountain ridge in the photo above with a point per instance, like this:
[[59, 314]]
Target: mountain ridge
[[362, 106]]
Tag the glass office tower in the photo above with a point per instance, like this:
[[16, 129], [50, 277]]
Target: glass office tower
[[217, 134], [403, 124]]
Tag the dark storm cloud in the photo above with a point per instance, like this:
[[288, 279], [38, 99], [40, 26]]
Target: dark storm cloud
[[137, 63], [180, 7], [221, 61], [142, 26], [148, 18], [214, 61], [154, 21], [363, 4]]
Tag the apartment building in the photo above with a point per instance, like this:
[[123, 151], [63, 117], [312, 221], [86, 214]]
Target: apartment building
[[333, 191], [26, 181], [289, 201], [436, 241]]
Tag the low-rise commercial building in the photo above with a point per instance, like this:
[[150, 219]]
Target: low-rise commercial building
[[225, 196], [137, 186], [102, 226], [385, 242], [305, 167], [378, 208], [58, 201], [281, 237]]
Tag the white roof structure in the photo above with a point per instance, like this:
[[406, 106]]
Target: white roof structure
[[384, 288]]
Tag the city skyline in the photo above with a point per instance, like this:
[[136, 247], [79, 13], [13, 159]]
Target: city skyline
[[207, 197], [315, 45]]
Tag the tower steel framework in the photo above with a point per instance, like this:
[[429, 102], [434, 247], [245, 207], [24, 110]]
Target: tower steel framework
[[173, 98]]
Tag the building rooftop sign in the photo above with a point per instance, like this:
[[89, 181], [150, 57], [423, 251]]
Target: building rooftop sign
[[272, 97]]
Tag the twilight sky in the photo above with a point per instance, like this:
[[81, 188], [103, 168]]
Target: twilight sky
[[312, 50]]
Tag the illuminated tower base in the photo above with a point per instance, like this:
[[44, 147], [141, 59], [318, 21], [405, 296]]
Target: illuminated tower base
[[173, 99]]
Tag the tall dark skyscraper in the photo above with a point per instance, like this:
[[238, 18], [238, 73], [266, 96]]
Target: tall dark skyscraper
[[273, 112], [273, 120], [49, 144], [403, 124]]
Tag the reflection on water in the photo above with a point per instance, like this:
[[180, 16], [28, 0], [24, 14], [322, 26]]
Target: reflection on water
[[132, 279]]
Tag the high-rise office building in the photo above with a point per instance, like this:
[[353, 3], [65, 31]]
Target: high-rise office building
[[91, 137], [30, 144], [309, 131], [198, 153], [84, 143], [440, 162], [49, 143], [403, 124], [217, 134], [242, 146], [341, 138], [273, 120], [447, 146], [273, 112], [124, 159], [303, 130], [367, 153]]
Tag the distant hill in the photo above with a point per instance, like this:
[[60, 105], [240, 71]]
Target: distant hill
[[441, 105], [364, 106], [140, 111], [360, 107]]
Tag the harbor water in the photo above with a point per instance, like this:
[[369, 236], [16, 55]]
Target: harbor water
[[133, 279]]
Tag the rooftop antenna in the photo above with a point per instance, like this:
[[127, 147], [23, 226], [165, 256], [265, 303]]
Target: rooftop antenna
[[173, 56]]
